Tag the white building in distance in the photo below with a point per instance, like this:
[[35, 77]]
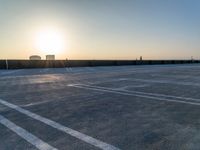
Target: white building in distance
[[35, 57], [50, 57]]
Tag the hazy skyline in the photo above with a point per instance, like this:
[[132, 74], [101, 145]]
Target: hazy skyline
[[102, 29]]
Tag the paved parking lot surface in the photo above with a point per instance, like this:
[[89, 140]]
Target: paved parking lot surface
[[110, 108]]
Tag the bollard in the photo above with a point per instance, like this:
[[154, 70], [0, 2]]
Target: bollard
[[7, 64]]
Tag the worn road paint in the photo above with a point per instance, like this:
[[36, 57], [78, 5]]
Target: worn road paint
[[32, 139], [140, 94], [74, 133]]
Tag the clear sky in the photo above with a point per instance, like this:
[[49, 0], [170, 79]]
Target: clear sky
[[101, 29]]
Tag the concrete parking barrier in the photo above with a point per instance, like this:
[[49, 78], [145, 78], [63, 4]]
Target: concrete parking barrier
[[22, 64]]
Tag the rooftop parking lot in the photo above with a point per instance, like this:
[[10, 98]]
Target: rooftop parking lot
[[89, 108]]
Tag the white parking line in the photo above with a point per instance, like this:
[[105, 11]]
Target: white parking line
[[143, 95], [137, 92], [38, 143], [166, 82], [10, 72], [74, 133]]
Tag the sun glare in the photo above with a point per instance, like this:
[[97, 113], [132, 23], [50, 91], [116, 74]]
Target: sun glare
[[49, 41]]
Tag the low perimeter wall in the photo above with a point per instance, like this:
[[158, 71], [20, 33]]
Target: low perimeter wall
[[21, 64]]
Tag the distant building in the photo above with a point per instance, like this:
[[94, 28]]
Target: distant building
[[35, 57], [50, 57]]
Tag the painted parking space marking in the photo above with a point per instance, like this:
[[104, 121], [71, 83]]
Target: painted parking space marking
[[88, 139], [138, 92], [10, 72], [168, 98], [166, 82], [32, 139]]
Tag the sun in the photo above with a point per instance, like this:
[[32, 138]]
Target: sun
[[49, 41]]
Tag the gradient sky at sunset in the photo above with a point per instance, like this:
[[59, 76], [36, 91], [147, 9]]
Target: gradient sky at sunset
[[102, 29]]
